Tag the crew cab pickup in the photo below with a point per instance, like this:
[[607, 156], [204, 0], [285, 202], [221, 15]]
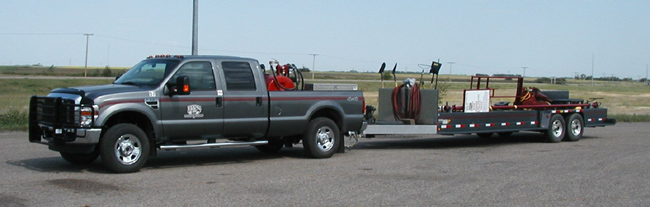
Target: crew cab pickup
[[177, 102]]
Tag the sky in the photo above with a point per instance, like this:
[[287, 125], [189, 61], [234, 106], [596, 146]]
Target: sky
[[549, 38]]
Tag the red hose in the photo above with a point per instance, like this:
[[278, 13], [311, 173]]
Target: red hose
[[415, 100]]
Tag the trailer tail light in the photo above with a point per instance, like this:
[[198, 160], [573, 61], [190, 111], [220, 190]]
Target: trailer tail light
[[363, 107]]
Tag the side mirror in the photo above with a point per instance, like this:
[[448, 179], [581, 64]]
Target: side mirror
[[182, 86], [118, 76]]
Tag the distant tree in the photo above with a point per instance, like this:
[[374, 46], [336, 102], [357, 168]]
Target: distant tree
[[387, 75], [107, 72], [304, 69], [543, 80]]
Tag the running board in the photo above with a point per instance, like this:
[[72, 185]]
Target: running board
[[208, 145]]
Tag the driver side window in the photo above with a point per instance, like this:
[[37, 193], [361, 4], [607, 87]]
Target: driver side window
[[200, 73]]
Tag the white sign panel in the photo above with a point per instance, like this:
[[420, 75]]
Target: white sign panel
[[477, 101]]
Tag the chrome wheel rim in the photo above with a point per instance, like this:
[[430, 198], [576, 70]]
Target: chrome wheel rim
[[128, 149], [325, 138], [576, 127], [557, 128]]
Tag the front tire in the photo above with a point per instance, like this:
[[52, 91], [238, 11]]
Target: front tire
[[556, 129], [80, 159], [124, 148], [322, 138], [574, 127]]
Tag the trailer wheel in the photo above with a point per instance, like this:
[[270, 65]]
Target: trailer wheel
[[322, 138], [484, 135], [504, 134], [556, 129], [124, 148], [80, 159], [574, 127]]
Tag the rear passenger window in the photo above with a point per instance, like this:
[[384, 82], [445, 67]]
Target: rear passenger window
[[239, 76]]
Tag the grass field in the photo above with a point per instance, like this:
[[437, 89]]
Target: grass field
[[627, 101]]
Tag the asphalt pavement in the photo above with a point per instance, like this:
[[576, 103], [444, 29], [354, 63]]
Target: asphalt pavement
[[609, 167]]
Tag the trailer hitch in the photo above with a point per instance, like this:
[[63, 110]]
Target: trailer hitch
[[351, 139]]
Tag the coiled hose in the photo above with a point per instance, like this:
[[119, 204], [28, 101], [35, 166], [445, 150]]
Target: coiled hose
[[413, 109]]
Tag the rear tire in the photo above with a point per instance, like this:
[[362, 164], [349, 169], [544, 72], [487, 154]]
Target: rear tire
[[505, 134], [124, 148], [80, 159], [556, 129], [484, 135], [574, 127], [322, 138]]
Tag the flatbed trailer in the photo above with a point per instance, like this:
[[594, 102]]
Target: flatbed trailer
[[561, 119]]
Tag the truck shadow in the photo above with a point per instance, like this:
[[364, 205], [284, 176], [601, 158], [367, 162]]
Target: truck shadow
[[222, 156], [457, 141], [166, 159], [241, 155]]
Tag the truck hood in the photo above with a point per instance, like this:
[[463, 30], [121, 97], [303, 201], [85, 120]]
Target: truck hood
[[93, 92]]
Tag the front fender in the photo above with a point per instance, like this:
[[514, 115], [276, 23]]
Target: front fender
[[108, 111]]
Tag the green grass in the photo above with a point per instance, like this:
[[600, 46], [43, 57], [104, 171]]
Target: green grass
[[631, 118], [13, 120]]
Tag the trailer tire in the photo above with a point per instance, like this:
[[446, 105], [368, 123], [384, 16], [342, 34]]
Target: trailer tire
[[80, 159], [556, 129], [484, 135], [505, 134], [574, 127], [322, 138], [124, 148]]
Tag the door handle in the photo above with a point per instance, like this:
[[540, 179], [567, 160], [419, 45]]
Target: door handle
[[219, 101], [258, 101]]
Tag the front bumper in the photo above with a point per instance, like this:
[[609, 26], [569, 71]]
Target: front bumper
[[68, 136], [82, 141]]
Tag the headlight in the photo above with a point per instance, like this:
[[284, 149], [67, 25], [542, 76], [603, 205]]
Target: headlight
[[87, 116]]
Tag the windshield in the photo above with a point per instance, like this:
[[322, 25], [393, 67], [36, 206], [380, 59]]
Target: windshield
[[148, 72]]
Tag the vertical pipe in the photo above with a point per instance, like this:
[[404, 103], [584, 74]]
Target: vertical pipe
[[195, 28], [86, 61]]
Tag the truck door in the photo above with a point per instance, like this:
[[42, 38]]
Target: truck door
[[198, 115], [245, 100]]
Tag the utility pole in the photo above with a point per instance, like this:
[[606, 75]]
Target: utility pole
[[524, 75], [450, 64], [195, 29], [86, 63], [646, 72], [592, 69], [313, 66]]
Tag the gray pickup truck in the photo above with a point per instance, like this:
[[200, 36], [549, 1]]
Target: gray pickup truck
[[178, 102]]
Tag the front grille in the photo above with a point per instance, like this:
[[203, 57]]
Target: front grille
[[53, 111], [53, 117]]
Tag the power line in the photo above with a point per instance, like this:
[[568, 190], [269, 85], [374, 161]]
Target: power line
[[37, 33]]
